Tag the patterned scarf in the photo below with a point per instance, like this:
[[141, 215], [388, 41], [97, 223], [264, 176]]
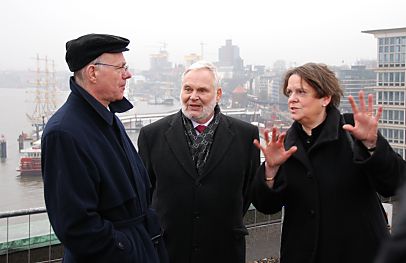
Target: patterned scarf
[[200, 144]]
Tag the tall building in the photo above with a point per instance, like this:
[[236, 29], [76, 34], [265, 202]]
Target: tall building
[[352, 80], [230, 67], [229, 56], [390, 85]]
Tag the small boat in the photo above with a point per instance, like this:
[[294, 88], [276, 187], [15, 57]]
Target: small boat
[[30, 162]]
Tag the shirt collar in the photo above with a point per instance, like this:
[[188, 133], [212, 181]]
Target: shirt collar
[[195, 124], [108, 115]]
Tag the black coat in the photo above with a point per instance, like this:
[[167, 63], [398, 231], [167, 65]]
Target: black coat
[[332, 212], [95, 185], [202, 217]]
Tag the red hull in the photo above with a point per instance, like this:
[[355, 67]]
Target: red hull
[[30, 166]]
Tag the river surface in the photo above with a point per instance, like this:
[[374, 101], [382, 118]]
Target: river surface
[[22, 192]]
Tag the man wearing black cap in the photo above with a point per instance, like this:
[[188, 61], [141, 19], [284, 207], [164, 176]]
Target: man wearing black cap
[[95, 186]]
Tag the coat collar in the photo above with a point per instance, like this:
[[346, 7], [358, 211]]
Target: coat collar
[[117, 106], [330, 132], [176, 140]]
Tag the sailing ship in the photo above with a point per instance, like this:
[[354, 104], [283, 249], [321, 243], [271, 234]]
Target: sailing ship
[[45, 105]]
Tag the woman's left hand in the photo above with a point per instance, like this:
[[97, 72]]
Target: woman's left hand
[[365, 126]]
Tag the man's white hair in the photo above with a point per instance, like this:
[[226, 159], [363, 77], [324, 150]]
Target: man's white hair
[[202, 64]]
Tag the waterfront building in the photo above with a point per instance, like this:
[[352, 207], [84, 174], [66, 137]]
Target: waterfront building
[[390, 85]]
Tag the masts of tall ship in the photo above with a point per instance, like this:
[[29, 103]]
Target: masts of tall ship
[[45, 98]]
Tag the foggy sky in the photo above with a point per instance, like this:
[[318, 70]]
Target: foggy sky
[[297, 31]]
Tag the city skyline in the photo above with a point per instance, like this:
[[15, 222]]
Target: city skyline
[[295, 31]]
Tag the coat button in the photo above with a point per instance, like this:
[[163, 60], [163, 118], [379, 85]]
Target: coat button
[[195, 248], [196, 215], [120, 245]]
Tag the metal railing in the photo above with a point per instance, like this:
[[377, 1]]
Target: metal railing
[[27, 236], [24, 231]]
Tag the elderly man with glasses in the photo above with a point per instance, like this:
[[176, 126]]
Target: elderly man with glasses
[[96, 188]]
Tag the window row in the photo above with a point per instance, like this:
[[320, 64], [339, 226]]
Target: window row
[[393, 117], [391, 78], [392, 58], [391, 97], [392, 40], [393, 135], [392, 49]]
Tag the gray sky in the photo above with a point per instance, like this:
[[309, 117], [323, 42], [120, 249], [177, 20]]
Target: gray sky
[[297, 31]]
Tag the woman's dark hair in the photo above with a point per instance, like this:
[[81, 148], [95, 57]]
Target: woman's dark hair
[[321, 78]]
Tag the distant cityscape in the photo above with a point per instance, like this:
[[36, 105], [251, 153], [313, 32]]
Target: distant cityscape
[[246, 88], [259, 87]]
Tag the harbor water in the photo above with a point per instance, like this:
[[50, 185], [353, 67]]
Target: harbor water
[[23, 192]]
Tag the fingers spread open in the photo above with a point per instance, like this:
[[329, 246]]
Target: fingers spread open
[[361, 101], [353, 105]]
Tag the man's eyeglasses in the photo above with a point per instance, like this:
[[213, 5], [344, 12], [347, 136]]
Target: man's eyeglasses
[[123, 68]]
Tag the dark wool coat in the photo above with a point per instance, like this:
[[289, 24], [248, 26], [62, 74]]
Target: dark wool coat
[[96, 188], [332, 212], [202, 217]]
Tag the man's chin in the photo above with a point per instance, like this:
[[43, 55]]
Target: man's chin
[[194, 115]]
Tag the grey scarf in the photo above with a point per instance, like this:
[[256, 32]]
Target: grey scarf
[[200, 144]]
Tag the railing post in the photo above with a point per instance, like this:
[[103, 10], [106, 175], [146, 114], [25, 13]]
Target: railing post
[[7, 240], [29, 238], [49, 244]]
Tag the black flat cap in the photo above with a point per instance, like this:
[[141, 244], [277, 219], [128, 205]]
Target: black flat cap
[[81, 51]]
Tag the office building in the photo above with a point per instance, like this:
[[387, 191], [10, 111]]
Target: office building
[[390, 84]]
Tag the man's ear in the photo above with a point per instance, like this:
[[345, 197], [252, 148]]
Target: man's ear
[[91, 73], [219, 93]]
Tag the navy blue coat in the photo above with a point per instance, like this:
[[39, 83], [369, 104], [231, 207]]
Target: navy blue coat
[[202, 216], [332, 211], [96, 188]]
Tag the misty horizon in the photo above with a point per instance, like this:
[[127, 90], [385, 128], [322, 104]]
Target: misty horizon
[[295, 31]]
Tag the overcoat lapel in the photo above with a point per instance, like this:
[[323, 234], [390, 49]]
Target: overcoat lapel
[[293, 140], [222, 141], [177, 143]]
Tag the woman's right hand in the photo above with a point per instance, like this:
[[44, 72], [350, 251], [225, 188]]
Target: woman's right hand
[[274, 151]]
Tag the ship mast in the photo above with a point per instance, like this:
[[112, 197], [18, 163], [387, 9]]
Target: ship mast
[[45, 92]]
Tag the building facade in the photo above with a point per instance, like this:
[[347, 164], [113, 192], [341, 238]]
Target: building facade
[[390, 85], [352, 80]]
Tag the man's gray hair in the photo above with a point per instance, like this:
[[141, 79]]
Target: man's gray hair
[[202, 64]]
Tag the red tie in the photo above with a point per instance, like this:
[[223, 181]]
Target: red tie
[[200, 128]]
